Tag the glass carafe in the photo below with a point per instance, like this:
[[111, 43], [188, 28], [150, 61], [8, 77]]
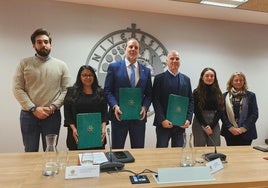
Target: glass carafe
[[50, 166], [187, 153]]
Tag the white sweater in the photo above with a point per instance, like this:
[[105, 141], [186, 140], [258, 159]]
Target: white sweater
[[40, 83]]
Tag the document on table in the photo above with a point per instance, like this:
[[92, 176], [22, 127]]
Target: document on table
[[98, 157]]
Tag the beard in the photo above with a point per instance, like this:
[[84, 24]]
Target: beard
[[43, 52]]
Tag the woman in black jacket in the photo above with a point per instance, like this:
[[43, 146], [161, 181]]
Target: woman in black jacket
[[86, 96], [208, 108]]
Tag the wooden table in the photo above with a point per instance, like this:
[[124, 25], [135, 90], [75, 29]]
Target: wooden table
[[245, 168]]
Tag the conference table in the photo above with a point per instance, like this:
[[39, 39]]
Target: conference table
[[245, 167]]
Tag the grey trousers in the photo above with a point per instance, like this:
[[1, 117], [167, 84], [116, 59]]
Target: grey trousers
[[200, 136]]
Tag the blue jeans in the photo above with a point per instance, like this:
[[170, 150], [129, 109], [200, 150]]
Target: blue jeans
[[32, 128]]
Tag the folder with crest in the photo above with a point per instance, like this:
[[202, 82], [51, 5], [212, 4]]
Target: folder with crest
[[177, 109], [130, 103], [89, 130]]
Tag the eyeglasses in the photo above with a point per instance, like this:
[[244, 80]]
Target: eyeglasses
[[86, 75]]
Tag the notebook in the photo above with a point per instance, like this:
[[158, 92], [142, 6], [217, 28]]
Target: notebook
[[130, 103], [89, 130], [177, 109]]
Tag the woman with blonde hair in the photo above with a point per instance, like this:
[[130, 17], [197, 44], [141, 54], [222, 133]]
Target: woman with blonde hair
[[241, 112]]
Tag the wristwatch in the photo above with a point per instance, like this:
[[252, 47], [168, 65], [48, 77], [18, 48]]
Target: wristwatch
[[33, 109]]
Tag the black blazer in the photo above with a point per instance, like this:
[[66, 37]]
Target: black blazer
[[70, 110], [161, 91]]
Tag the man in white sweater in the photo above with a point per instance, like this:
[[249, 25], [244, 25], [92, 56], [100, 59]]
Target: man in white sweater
[[40, 85]]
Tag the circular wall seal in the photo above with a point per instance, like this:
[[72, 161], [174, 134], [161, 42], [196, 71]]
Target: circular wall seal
[[110, 48]]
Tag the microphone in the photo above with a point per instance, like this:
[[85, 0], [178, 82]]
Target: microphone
[[118, 156], [110, 145], [111, 165], [215, 155]]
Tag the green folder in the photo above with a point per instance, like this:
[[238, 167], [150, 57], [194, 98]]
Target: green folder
[[130, 103], [177, 109], [89, 130]]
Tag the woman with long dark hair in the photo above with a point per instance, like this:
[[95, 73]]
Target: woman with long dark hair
[[85, 96], [208, 109]]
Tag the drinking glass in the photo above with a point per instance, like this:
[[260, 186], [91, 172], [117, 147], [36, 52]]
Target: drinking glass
[[199, 157], [63, 159]]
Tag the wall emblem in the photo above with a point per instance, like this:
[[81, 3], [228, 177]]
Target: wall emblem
[[110, 48]]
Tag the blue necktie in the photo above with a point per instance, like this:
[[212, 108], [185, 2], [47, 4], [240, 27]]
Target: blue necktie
[[132, 75]]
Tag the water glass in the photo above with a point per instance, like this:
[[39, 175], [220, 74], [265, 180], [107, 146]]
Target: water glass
[[199, 157], [63, 159]]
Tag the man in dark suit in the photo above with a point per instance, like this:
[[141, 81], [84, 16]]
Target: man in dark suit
[[166, 83], [118, 76]]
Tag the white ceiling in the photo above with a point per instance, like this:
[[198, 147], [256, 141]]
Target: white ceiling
[[182, 9]]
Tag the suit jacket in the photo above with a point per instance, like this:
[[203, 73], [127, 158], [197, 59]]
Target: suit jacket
[[248, 123], [117, 77], [161, 91]]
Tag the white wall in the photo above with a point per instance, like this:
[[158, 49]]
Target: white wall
[[225, 46]]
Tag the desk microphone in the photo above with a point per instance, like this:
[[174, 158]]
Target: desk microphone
[[215, 155], [111, 165]]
